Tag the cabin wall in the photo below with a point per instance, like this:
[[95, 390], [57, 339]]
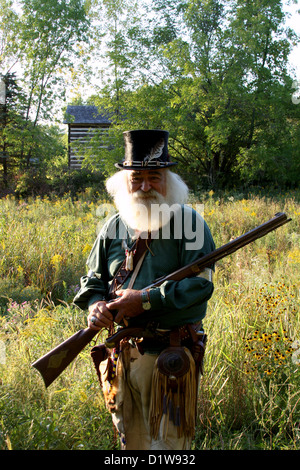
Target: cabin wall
[[82, 134]]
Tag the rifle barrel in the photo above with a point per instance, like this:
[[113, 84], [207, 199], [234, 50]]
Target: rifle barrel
[[211, 258]]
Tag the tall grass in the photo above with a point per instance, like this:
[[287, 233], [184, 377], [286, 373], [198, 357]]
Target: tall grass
[[44, 244], [249, 395]]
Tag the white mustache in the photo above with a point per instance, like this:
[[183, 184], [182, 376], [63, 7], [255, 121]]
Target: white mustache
[[139, 194]]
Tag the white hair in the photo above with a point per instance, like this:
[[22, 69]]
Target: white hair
[[176, 190], [135, 210]]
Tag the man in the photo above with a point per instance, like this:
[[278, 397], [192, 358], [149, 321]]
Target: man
[[150, 200]]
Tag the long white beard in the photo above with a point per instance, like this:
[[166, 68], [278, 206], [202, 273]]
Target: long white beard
[[147, 211]]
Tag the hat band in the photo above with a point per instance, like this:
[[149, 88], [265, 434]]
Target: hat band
[[139, 163]]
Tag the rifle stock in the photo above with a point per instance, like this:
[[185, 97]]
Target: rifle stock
[[52, 364]]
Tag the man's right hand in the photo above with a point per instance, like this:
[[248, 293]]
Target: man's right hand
[[99, 316]]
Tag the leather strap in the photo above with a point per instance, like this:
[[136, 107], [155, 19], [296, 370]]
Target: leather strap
[[136, 270], [140, 246], [175, 339]]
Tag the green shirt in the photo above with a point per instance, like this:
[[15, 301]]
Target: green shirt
[[174, 303]]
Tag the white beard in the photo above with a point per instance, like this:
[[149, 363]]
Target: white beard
[[147, 211]]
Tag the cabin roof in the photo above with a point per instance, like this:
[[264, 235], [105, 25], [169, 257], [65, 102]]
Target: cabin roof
[[79, 114]]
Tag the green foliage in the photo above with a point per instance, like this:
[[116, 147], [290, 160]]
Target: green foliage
[[8, 34], [44, 45], [49, 32], [213, 73], [216, 76]]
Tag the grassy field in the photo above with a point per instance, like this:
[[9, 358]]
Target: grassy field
[[250, 390]]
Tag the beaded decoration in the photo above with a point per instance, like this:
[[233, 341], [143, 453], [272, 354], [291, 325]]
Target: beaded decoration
[[114, 359], [129, 256]]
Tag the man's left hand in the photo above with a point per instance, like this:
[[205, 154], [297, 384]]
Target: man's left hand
[[128, 304]]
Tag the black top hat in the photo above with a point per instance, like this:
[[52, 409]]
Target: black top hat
[[145, 149]]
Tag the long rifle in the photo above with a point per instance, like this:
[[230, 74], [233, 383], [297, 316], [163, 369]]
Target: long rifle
[[52, 364]]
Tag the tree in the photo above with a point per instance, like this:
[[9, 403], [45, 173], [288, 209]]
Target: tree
[[19, 135], [218, 82], [50, 31], [9, 33], [231, 70], [44, 42], [11, 120]]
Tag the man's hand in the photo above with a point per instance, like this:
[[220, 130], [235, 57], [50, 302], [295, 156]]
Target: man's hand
[[102, 317], [128, 304]]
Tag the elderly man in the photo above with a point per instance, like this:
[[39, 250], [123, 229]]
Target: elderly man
[[152, 235]]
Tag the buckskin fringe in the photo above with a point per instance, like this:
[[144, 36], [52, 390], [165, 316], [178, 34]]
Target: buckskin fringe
[[174, 399]]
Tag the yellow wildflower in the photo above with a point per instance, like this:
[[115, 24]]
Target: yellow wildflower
[[56, 260], [86, 249]]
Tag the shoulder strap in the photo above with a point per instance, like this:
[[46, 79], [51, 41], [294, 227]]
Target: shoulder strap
[[136, 270], [139, 248]]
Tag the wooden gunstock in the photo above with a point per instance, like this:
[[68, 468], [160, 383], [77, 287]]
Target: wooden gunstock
[[52, 364]]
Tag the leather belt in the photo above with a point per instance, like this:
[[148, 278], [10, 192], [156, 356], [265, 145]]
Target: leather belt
[[184, 335]]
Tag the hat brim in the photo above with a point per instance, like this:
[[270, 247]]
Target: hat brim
[[121, 166]]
